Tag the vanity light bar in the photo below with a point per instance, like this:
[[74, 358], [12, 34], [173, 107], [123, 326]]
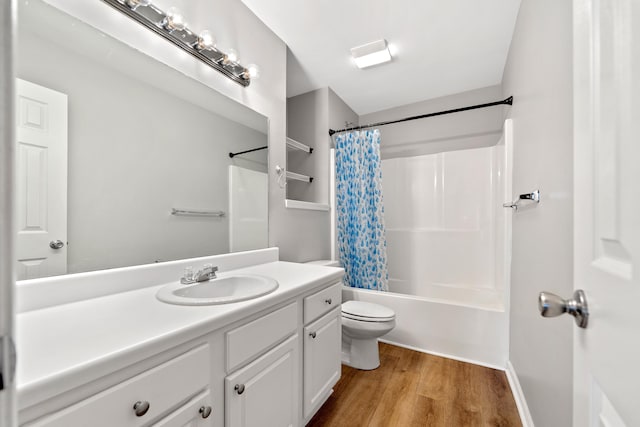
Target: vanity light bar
[[173, 29]]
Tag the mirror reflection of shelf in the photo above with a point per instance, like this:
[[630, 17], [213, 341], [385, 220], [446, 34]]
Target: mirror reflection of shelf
[[299, 177], [294, 145]]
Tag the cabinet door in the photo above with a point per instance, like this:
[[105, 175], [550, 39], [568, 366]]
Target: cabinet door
[[195, 413], [265, 392], [322, 361]]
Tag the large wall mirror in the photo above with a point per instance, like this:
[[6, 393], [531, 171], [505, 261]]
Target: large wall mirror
[[122, 160]]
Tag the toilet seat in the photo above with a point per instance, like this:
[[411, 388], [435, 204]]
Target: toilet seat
[[367, 312]]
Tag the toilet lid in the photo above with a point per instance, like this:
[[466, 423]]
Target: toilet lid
[[367, 311]]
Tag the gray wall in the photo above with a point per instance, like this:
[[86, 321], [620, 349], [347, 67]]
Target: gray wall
[[307, 117], [123, 180], [538, 74], [469, 129], [339, 113]]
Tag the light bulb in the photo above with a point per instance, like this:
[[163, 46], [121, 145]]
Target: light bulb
[[231, 56], [133, 4], [205, 41], [174, 20], [251, 72]]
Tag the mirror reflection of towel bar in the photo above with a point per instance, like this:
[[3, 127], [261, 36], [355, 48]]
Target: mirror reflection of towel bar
[[533, 197], [194, 212]]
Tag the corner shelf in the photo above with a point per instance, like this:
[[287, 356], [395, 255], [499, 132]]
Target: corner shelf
[[299, 177], [310, 206], [292, 144]]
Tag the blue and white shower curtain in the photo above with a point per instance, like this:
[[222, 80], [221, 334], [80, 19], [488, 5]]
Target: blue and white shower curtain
[[359, 211]]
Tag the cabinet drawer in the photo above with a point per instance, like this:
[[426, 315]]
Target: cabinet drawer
[[248, 341], [191, 414], [163, 387], [321, 302]]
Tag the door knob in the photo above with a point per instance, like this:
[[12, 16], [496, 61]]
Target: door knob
[[551, 305], [56, 244]]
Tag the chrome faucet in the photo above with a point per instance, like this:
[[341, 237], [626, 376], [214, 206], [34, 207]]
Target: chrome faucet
[[207, 272]]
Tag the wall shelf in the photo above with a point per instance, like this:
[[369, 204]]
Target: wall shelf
[[299, 177], [292, 144], [310, 206]]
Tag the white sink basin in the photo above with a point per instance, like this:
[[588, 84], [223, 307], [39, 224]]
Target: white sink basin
[[223, 290]]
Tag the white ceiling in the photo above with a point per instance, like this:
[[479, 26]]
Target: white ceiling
[[440, 47]]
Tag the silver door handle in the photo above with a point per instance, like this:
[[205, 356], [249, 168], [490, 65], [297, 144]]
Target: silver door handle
[[56, 244], [551, 305]]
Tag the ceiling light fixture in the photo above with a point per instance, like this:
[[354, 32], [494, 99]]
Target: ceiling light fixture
[[370, 54], [172, 25]]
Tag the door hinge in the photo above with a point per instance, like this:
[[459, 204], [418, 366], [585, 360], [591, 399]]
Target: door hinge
[[7, 361]]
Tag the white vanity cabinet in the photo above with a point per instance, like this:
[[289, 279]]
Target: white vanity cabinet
[[148, 397], [270, 368], [322, 347], [266, 391]]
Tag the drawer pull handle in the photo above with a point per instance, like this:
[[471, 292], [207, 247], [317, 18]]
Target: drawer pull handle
[[141, 407], [205, 411], [312, 335], [239, 388], [328, 301]]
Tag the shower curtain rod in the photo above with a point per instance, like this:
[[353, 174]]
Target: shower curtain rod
[[508, 101]]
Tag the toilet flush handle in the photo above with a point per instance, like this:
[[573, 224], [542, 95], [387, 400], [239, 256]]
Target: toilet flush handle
[[312, 335], [328, 301]]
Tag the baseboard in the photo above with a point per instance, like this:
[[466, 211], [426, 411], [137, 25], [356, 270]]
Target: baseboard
[[518, 395], [448, 356]]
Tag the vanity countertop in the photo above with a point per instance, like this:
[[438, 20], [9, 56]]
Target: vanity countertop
[[62, 347]]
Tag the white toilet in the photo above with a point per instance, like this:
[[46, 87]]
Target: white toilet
[[362, 324]]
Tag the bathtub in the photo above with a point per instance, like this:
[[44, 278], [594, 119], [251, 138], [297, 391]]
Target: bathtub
[[463, 327], [449, 252]]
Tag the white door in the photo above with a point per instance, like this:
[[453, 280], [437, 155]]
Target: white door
[[41, 178], [607, 211]]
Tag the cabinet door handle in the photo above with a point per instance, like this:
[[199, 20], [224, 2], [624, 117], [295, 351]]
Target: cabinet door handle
[[239, 388], [328, 301], [312, 335], [205, 411], [141, 407]]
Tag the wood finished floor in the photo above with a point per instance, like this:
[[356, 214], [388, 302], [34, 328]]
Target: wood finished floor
[[417, 389]]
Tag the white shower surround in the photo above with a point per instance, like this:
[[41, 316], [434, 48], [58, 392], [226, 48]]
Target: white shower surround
[[449, 252]]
